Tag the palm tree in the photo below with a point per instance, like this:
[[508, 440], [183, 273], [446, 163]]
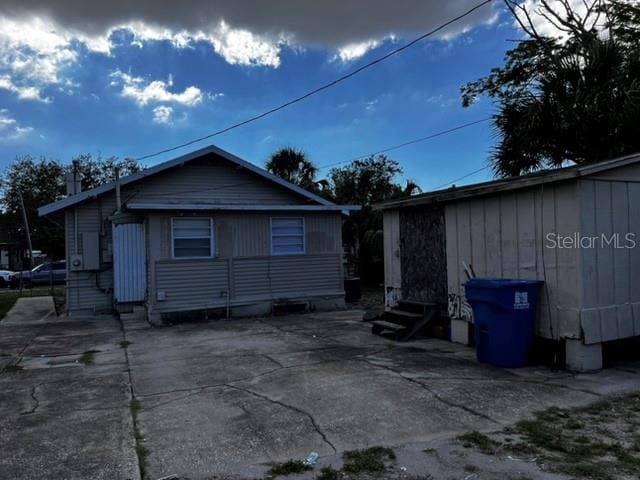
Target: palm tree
[[294, 166]]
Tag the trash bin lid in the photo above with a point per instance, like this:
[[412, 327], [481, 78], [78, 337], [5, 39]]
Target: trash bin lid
[[490, 282]]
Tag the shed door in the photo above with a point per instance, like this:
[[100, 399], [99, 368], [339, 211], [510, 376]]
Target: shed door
[[129, 264]]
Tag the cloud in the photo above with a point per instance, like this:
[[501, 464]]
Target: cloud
[[10, 129], [162, 114], [156, 91], [353, 51]]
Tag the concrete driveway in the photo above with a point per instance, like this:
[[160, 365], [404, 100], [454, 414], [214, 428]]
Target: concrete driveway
[[225, 397]]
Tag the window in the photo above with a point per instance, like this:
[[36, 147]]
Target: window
[[287, 236], [192, 237]]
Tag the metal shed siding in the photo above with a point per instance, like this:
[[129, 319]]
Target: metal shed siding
[[610, 275], [211, 180], [503, 235], [391, 250]]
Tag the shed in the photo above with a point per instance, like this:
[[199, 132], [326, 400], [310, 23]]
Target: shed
[[576, 228], [204, 231]]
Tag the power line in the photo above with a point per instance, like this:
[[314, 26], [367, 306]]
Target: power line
[[321, 88], [410, 142], [461, 178]]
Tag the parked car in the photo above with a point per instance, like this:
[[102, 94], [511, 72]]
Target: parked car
[[44, 274], [5, 278]]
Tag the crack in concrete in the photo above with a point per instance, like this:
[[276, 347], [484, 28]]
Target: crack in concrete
[[290, 407], [203, 389], [431, 392], [35, 399], [520, 380]]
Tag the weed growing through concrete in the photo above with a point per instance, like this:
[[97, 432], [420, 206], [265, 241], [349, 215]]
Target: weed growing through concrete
[[328, 473], [141, 451], [124, 343], [480, 441], [88, 357], [13, 368], [598, 442], [287, 468], [371, 459]]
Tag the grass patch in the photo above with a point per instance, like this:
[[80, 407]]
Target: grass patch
[[287, 468], [328, 473], [88, 357], [371, 459], [124, 343], [480, 441], [7, 301], [141, 451], [13, 368], [470, 468], [597, 442]]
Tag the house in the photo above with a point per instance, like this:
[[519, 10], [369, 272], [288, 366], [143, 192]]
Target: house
[[576, 228], [203, 231]]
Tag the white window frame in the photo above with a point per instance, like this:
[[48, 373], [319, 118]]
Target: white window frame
[[212, 248], [304, 236]]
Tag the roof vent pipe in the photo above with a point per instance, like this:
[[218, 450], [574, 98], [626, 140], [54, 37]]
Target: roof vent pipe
[[72, 180], [118, 199]]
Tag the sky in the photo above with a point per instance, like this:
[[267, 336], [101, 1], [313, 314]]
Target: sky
[[132, 79]]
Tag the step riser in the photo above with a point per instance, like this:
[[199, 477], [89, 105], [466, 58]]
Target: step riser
[[400, 319]]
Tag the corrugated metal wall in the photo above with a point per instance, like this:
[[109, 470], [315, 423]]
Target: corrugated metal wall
[[391, 248], [610, 206], [129, 263], [504, 236]]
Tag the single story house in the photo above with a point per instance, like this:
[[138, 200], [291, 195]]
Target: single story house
[[576, 228], [203, 231]]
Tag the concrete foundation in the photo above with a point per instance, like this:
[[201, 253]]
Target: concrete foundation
[[581, 357], [460, 331]]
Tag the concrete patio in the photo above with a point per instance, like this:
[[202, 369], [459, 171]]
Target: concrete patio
[[227, 396]]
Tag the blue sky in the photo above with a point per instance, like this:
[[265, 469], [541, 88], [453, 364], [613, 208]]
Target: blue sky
[[146, 91]]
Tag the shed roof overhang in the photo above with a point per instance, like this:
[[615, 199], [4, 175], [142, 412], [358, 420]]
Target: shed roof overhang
[[508, 184]]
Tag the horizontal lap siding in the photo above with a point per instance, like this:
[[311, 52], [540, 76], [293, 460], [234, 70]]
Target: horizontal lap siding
[[212, 181], [89, 291], [194, 283], [293, 275], [199, 284]]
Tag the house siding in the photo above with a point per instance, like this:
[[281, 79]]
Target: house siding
[[243, 268], [210, 180]]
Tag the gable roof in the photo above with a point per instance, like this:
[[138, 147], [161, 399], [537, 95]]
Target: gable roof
[[161, 167], [509, 184]]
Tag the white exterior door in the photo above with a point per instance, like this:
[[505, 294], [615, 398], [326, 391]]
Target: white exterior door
[[129, 263]]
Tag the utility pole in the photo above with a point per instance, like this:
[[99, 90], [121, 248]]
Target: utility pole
[[26, 226]]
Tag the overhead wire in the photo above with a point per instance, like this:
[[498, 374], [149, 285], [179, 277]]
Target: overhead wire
[[320, 88]]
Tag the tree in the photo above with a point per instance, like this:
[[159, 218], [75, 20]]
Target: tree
[[365, 182], [42, 181], [570, 98], [294, 166]]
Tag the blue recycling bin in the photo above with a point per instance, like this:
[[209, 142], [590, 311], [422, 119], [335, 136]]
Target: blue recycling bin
[[504, 312]]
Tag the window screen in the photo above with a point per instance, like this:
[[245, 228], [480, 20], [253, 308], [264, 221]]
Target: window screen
[[287, 236], [192, 237]]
